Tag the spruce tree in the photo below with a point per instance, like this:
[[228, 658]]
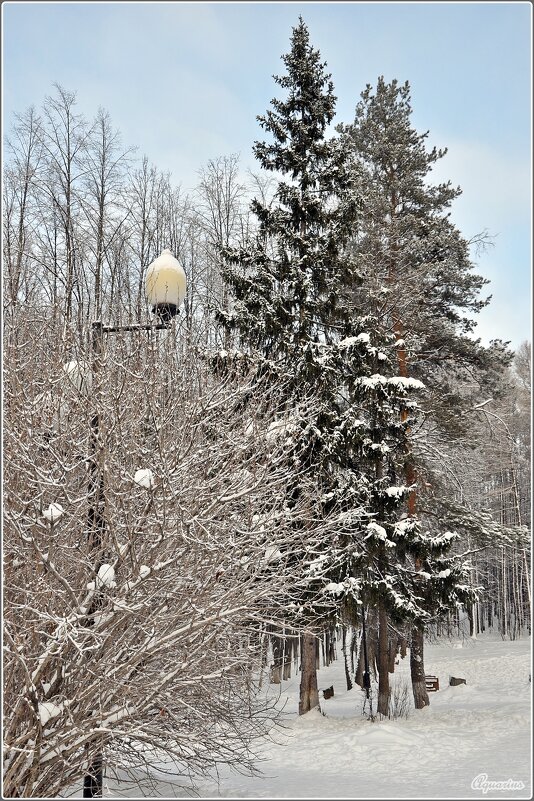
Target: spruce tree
[[382, 557], [290, 289]]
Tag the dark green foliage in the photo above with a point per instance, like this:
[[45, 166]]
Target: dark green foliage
[[417, 265], [292, 287], [308, 301]]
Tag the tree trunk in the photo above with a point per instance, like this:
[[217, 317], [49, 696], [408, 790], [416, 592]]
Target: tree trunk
[[332, 646], [360, 666], [288, 645], [393, 647], [92, 783], [345, 657], [278, 651], [503, 612], [309, 695], [353, 648], [383, 661], [263, 648], [417, 668], [469, 610]]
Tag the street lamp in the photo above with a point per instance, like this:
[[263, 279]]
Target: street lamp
[[165, 286], [165, 291]]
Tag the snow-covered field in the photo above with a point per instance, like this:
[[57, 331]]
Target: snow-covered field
[[481, 729]]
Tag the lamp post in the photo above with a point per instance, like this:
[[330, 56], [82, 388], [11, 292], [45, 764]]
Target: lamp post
[[165, 291]]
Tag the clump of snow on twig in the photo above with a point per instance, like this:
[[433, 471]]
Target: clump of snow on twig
[[106, 576], [54, 512], [272, 554], [395, 492], [49, 710], [335, 588], [377, 531], [144, 478]]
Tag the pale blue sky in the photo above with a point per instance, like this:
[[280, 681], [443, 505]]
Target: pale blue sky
[[185, 81]]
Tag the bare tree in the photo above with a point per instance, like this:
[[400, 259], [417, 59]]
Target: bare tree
[[142, 191], [149, 642], [64, 141], [221, 213], [24, 147], [105, 163]]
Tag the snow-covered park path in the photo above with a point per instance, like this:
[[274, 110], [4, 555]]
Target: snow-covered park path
[[481, 728]]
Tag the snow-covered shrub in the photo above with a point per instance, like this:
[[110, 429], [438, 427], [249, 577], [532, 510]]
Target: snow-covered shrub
[[134, 613]]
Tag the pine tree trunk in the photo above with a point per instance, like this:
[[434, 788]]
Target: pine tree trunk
[[417, 668], [309, 695], [383, 661]]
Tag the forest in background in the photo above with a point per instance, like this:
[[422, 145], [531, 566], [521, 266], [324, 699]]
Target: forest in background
[[323, 431]]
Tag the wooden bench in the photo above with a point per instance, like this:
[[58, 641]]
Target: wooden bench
[[431, 684]]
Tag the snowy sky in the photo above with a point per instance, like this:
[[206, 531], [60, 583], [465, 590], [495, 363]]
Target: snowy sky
[[185, 81]]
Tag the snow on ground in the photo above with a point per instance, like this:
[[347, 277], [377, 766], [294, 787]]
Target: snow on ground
[[481, 729]]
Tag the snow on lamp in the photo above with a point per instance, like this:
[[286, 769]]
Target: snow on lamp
[[165, 286]]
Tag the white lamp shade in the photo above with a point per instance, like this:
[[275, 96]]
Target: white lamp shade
[[165, 282]]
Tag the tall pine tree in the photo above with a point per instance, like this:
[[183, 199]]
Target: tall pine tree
[[419, 280]]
